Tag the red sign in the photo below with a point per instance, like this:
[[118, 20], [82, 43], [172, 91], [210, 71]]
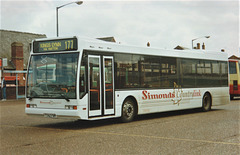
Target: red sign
[[11, 78]]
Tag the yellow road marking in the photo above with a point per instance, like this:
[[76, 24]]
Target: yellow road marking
[[166, 138], [132, 135]]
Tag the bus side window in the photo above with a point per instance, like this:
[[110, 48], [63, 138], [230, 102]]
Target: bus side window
[[224, 74], [238, 67], [232, 68], [83, 79]]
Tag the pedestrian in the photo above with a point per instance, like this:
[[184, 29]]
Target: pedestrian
[[3, 86]]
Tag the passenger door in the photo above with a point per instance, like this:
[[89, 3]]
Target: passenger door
[[101, 85]]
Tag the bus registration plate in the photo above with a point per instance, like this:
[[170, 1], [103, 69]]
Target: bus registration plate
[[50, 115]]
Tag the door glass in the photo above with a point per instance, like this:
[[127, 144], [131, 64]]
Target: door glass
[[94, 82], [108, 83]]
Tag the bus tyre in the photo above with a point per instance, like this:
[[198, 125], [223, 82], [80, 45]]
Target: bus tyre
[[206, 102], [128, 111]]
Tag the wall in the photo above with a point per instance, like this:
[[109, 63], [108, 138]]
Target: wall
[[19, 61], [8, 37], [11, 92]]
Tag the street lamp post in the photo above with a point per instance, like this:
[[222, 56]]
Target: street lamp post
[[77, 2], [199, 38]]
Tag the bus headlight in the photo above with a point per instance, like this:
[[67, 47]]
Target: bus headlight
[[71, 107], [31, 105]]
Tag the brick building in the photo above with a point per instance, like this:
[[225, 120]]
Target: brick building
[[15, 46], [9, 37]]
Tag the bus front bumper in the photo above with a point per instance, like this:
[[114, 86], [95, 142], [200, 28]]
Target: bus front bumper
[[53, 113]]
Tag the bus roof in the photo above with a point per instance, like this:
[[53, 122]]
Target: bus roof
[[115, 47], [85, 43]]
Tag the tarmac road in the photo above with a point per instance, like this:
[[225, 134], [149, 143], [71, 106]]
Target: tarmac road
[[182, 132]]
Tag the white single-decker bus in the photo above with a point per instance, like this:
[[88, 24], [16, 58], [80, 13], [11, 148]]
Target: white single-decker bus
[[90, 79]]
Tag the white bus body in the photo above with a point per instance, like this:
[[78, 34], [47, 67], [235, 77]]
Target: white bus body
[[113, 80]]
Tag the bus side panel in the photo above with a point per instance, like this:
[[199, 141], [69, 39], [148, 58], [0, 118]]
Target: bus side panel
[[83, 107], [151, 101], [169, 100], [234, 91], [120, 96], [234, 85], [220, 96]]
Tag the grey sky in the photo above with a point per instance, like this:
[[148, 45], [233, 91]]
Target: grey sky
[[165, 24]]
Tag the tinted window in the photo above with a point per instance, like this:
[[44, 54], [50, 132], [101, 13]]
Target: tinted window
[[224, 73], [188, 73], [232, 68], [138, 71], [83, 77], [203, 73], [127, 71], [135, 71]]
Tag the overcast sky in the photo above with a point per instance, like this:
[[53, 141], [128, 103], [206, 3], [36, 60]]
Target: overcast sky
[[165, 24]]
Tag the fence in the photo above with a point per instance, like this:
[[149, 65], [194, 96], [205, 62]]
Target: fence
[[15, 92]]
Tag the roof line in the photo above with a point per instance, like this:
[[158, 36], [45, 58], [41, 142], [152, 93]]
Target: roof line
[[21, 32]]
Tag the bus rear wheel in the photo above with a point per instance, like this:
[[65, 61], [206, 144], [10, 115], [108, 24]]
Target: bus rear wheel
[[206, 102], [128, 111]]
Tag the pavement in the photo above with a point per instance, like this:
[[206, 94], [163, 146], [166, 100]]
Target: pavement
[[179, 132], [22, 101]]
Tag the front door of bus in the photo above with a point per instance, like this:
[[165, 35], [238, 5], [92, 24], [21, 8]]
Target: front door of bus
[[100, 85]]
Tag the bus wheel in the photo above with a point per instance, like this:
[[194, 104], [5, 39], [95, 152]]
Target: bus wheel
[[128, 111], [206, 102]]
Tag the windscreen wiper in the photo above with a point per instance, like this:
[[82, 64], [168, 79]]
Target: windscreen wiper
[[30, 98], [65, 97]]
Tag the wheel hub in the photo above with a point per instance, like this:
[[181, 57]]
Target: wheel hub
[[128, 110]]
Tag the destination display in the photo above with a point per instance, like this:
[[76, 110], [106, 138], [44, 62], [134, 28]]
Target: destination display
[[55, 45]]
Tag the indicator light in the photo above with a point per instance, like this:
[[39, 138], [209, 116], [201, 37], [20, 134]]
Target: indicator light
[[71, 107], [31, 105]]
